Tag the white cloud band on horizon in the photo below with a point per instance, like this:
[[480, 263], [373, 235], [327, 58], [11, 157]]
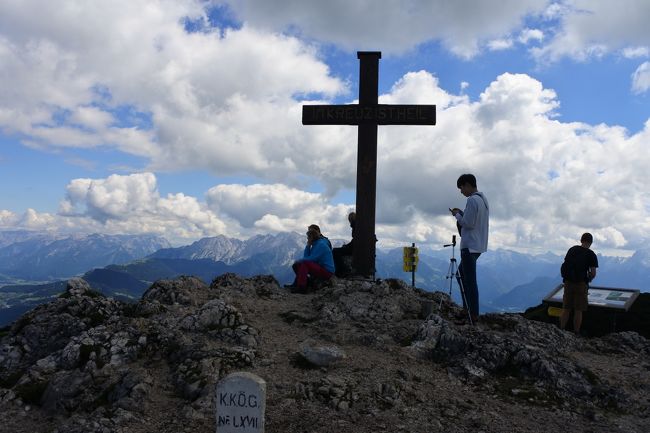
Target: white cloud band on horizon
[[546, 180], [228, 101]]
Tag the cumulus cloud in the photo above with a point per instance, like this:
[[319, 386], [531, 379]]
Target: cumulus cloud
[[116, 197], [578, 28], [500, 44], [91, 118], [8, 219], [528, 35], [641, 78], [276, 208], [132, 204], [197, 92], [228, 100], [32, 219], [395, 26], [247, 204], [594, 28], [547, 181], [636, 52]]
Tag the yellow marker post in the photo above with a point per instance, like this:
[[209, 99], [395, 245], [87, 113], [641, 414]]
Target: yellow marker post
[[411, 260]]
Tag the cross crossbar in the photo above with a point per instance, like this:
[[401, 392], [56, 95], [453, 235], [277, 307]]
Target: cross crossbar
[[367, 115], [379, 114]]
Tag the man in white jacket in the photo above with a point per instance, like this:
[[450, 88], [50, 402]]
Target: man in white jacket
[[473, 224]]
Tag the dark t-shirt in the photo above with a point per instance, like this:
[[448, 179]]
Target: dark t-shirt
[[582, 259]]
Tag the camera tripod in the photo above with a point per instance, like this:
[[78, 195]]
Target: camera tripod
[[452, 274]]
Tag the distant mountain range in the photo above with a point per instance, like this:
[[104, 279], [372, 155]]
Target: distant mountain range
[[124, 266], [28, 256], [279, 249]]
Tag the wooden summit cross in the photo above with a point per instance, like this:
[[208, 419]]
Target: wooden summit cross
[[367, 115]]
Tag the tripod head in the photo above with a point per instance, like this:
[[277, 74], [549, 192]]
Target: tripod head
[[453, 242]]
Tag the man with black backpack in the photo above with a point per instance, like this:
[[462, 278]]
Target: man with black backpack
[[578, 269]]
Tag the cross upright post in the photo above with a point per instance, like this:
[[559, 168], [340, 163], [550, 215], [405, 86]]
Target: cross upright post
[[367, 115], [363, 254]]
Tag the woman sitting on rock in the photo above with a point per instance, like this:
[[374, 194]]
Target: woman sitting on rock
[[317, 261]]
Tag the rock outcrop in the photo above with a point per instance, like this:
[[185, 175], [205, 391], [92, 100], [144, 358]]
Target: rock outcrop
[[356, 356]]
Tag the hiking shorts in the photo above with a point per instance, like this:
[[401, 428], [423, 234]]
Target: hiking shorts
[[575, 296]]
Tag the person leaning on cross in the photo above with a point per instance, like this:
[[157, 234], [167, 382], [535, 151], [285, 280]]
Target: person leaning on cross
[[345, 250]]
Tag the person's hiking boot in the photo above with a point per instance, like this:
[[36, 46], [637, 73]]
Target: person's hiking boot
[[301, 290], [294, 288]]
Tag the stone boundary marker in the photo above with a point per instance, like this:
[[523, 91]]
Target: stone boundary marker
[[240, 403]]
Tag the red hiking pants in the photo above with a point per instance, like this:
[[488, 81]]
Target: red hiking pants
[[305, 268]]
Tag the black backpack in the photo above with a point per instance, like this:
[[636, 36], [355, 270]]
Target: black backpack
[[569, 272]]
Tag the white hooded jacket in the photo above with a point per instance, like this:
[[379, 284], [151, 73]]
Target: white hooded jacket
[[474, 222]]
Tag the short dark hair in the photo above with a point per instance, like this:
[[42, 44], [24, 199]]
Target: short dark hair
[[466, 178], [314, 227], [587, 237]]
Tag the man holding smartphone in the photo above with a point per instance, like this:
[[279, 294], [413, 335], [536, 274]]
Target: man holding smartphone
[[473, 226]]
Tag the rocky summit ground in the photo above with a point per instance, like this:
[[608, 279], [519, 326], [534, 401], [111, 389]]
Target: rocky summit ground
[[354, 356]]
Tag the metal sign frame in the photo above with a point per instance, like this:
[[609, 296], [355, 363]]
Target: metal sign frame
[[604, 297]]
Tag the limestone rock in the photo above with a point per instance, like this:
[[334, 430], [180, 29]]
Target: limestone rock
[[354, 356], [183, 290], [78, 287], [321, 355], [262, 286]]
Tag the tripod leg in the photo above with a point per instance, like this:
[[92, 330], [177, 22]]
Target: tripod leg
[[462, 293], [450, 277]]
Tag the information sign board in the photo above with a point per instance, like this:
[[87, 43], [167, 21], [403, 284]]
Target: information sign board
[[608, 297]]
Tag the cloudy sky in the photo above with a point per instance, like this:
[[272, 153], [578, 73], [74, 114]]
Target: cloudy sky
[[182, 118]]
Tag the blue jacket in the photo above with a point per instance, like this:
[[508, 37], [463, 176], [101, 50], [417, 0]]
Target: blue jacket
[[320, 252]]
